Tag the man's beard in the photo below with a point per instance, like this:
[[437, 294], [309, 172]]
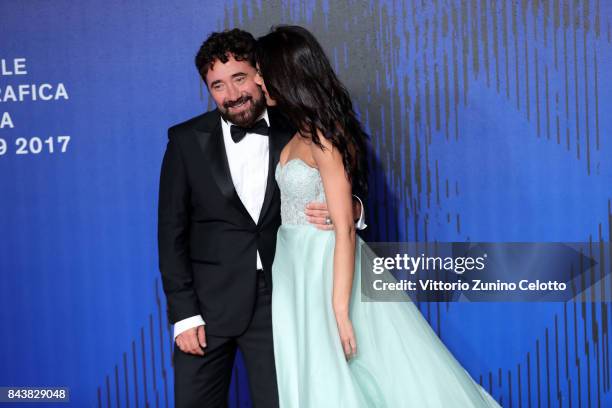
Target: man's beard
[[245, 118]]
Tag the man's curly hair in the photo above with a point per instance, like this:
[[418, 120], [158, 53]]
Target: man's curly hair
[[218, 46]]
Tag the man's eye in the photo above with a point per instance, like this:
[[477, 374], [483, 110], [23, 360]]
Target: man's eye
[[240, 79], [217, 87]]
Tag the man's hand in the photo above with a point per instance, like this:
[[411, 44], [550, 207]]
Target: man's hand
[[192, 341], [316, 214]]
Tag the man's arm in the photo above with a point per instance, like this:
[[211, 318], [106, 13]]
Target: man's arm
[[173, 238], [173, 243], [316, 213], [358, 208]]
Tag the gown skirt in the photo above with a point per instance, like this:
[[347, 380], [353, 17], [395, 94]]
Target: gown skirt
[[400, 360]]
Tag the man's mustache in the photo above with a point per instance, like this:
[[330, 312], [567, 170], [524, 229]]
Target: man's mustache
[[241, 100]]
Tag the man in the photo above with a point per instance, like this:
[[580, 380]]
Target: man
[[219, 212]]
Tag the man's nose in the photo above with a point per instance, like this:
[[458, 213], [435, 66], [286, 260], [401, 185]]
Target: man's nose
[[233, 92]]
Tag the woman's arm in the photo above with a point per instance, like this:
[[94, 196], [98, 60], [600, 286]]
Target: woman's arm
[[340, 205]]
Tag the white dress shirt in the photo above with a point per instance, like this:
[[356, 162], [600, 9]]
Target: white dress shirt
[[248, 163]]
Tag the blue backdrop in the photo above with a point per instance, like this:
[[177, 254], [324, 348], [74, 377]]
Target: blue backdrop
[[489, 121]]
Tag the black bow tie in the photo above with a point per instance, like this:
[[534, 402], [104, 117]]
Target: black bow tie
[[239, 132]]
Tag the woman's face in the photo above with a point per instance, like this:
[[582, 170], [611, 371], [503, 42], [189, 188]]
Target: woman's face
[[259, 81]]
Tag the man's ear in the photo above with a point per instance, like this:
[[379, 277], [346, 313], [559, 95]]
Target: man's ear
[[203, 76]]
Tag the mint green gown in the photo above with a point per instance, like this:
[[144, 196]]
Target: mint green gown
[[400, 360]]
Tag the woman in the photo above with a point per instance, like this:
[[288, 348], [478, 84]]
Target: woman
[[331, 349]]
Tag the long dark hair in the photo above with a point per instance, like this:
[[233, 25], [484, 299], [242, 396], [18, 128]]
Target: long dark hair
[[300, 79]]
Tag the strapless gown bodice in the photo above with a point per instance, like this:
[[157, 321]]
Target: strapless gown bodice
[[299, 184]]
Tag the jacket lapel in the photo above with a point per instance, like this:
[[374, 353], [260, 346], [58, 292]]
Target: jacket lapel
[[280, 134], [213, 148]]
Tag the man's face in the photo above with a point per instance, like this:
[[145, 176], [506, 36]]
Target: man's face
[[232, 86]]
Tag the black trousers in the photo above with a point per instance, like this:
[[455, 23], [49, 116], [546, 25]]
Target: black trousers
[[203, 381]]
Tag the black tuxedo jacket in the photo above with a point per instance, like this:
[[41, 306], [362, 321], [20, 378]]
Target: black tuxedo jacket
[[207, 239]]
